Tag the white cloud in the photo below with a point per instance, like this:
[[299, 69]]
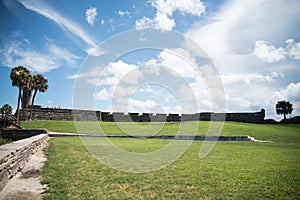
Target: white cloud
[[229, 37], [90, 15], [144, 23], [21, 52], [293, 49], [111, 75], [103, 94], [179, 62], [268, 53], [122, 92], [141, 104], [161, 21], [193, 7], [112, 81], [102, 22], [249, 78], [95, 51], [165, 10], [147, 89], [150, 106], [122, 13], [124, 72], [89, 74], [42, 9], [63, 54], [290, 93]]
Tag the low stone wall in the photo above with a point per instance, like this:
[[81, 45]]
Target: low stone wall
[[89, 115], [15, 155]]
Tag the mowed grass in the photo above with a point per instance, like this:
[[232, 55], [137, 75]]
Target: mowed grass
[[278, 132], [4, 141], [232, 170], [106, 127]]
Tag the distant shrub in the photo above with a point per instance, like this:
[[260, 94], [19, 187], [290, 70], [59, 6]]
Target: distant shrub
[[4, 141], [271, 121], [292, 120]]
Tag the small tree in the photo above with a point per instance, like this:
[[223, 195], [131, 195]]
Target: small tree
[[284, 108]]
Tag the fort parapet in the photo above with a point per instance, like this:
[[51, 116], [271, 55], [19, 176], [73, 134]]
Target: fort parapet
[[40, 113]]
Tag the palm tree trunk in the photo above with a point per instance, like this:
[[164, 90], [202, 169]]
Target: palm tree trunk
[[32, 103], [26, 98], [18, 106], [284, 117]]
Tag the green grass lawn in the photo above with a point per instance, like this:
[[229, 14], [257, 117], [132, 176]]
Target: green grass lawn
[[279, 132], [232, 170], [4, 141]]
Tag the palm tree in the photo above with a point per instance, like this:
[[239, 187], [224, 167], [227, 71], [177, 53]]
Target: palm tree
[[6, 110], [19, 76], [284, 108], [39, 83]]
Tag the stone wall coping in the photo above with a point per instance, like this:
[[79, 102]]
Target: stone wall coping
[[7, 149]]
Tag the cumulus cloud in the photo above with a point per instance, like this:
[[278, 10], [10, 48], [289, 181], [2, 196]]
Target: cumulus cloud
[[193, 7], [164, 10], [122, 71], [250, 78], [229, 39], [161, 21], [269, 53], [103, 94], [90, 15], [290, 93], [179, 62], [112, 74], [138, 104], [229, 35], [120, 80], [293, 49]]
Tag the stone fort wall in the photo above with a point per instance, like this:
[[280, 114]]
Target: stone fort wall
[[89, 115]]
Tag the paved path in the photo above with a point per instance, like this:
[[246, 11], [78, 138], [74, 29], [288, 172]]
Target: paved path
[[168, 137]]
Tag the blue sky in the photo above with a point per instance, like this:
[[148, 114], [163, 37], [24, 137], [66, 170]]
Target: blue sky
[[254, 45]]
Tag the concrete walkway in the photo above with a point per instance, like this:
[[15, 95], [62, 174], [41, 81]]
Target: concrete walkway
[[168, 137]]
